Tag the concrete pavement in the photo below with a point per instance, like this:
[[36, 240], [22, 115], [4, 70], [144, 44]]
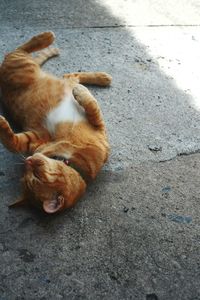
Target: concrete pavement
[[135, 234]]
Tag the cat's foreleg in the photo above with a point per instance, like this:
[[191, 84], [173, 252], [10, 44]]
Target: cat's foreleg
[[96, 78], [21, 142], [45, 54], [90, 104]]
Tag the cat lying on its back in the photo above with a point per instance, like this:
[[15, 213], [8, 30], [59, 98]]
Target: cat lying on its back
[[60, 119]]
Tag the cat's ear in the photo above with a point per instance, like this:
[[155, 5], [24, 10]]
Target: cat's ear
[[54, 205], [19, 202]]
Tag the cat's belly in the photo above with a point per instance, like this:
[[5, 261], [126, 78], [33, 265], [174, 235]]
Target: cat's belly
[[68, 110]]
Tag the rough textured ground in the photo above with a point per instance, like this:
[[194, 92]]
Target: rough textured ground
[[135, 234]]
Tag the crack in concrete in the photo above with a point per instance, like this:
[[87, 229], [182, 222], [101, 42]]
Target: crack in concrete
[[180, 154], [131, 26], [127, 26]]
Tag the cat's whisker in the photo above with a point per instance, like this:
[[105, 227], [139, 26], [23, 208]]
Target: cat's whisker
[[22, 159], [22, 156]]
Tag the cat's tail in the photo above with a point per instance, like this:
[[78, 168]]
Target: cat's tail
[[38, 42], [94, 78]]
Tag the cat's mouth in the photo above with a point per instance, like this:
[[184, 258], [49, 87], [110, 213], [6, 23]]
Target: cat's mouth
[[61, 158]]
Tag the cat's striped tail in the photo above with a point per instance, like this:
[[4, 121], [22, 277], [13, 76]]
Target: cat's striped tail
[[38, 42]]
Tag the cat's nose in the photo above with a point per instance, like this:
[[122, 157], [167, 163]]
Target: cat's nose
[[29, 162]]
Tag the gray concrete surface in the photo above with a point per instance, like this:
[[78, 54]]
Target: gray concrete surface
[[135, 234]]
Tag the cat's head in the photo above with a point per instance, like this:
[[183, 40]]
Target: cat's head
[[51, 183]]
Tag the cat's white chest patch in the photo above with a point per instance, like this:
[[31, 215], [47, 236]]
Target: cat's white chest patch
[[68, 110]]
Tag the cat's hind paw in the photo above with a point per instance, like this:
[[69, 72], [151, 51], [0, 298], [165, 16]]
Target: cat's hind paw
[[46, 38], [80, 93], [79, 89], [55, 51]]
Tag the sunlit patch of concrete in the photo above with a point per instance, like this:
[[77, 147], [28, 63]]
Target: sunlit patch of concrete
[[170, 36]]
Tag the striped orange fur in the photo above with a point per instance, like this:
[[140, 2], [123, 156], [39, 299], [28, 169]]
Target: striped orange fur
[[59, 117]]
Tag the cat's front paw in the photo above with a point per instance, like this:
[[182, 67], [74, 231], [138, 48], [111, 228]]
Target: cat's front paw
[[5, 130], [104, 79], [3, 123]]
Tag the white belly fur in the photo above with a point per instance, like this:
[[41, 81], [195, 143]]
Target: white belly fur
[[68, 110]]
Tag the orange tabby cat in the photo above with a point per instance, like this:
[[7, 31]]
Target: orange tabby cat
[[60, 119]]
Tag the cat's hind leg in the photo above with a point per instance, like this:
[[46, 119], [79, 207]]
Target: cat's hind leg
[[90, 104], [45, 54], [96, 78], [21, 142], [38, 42]]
